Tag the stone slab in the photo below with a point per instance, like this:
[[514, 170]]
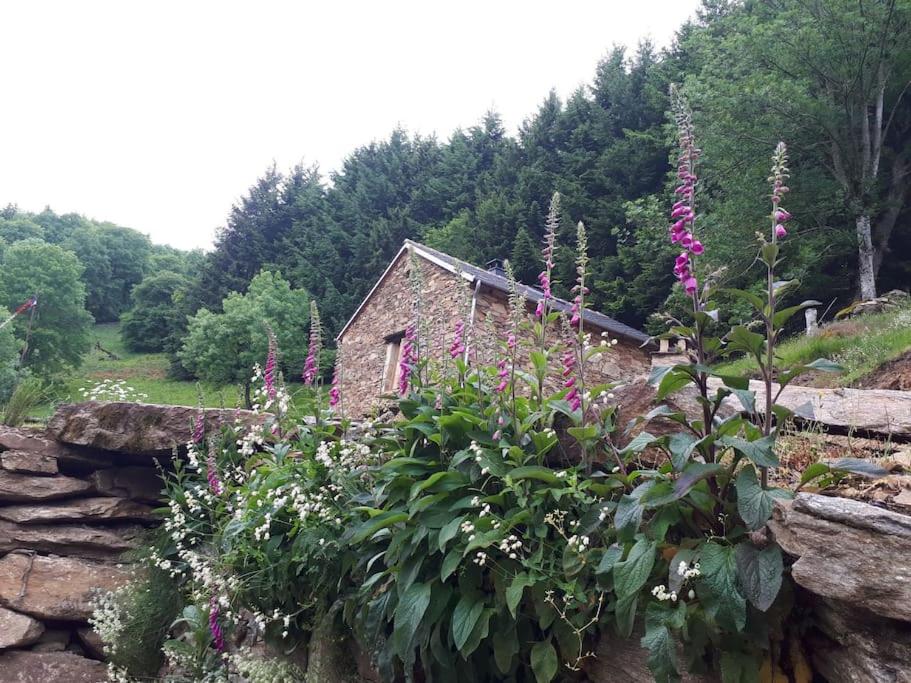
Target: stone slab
[[80, 540], [98, 509], [137, 428], [15, 487], [52, 587], [29, 462], [849, 551], [21, 666], [18, 630]]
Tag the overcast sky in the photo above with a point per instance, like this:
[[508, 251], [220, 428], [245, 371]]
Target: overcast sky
[[159, 115]]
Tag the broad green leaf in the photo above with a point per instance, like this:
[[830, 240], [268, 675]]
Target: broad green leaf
[[753, 299], [718, 586], [505, 647], [671, 382], [465, 617], [817, 469], [480, 631], [408, 614], [760, 452], [544, 661], [609, 559], [760, 573], [639, 443], [628, 516], [864, 468], [742, 339], [632, 573], [782, 316], [448, 532], [681, 446], [753, 502], [537, 472], [825, 365], [625, 613], [381, 521], [662, 657], [450, 563], [515, 591], [692, 474]]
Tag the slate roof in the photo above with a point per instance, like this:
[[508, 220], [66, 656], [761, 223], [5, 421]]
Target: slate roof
[[498, 282]]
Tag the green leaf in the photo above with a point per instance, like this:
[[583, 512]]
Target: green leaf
[[864, 468], [782, 316], [544, 661], [671, 382], [692, 475], [609, 559], [817, 469], [628, 516], [825, 365], [632, 573], [625, 613], [450, 563], [681, 446], [718, 586], [760, 452], [408, 615], [448, 532], [754, 300], [464, 618], [760, 573], [742, 339], [537, 472], [662, 658], [753, 502], [374, 524], [515, 591], [639, 443], [505, 647]]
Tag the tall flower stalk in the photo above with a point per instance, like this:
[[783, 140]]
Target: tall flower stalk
[[576, 396], [769, 254], [409, 358], [311, 365], [269, 370]]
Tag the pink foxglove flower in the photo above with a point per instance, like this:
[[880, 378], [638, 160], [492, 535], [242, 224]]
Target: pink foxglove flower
[[212, 470], [409, 358], [569, 380], [335, 394], [199, 427], [311, 365], [457, 348], [269, 372], [550, 242], [683, 212], [779, 179], [218, 637]]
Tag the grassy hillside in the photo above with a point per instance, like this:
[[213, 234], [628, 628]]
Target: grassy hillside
[[860, 345], [144, 373]]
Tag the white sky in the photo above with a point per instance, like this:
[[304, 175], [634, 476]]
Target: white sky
[[159, 115]]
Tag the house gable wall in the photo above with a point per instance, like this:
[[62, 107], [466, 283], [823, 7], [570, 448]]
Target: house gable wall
[[446, 298]]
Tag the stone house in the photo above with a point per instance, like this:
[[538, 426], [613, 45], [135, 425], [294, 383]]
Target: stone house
[[452, 290]]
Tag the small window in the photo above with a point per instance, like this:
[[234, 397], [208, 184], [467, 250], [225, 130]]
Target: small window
[[393, 361]]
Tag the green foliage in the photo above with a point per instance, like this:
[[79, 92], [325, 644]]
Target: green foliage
[[222, 347], [9, 360], [58, 333], [29, 393], [157, 320]]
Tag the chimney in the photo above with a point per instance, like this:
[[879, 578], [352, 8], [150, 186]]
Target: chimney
[[495, 266]]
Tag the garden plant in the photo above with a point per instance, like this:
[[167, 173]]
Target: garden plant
[[495, 527]]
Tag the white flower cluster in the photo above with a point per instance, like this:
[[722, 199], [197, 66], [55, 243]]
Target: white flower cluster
[[118, 674], [253, 438], [257, 669], [661, 593], [578, 544], [108, 611], [467, 528], [605, 511], [687, 572], [512, 546], [111, 390], [480, 559]]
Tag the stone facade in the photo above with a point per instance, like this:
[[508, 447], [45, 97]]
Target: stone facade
[[370, 343]]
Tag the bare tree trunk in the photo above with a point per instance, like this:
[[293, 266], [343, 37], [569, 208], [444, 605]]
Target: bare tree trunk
[[866, 273]]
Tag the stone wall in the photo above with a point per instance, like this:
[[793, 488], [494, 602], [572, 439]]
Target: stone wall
[[72, 500], [368, 364]]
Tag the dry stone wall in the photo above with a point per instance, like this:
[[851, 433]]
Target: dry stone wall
[[73, 499]]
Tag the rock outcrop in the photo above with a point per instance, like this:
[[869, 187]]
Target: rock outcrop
[[19, 666], [135, 428], [853, 560], [18, 630]]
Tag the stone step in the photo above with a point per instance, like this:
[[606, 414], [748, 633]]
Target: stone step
[[22, 666], [98, 509], [16, 487], [52, 587], [79, 540]]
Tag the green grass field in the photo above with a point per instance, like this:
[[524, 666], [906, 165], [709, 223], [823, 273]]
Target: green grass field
[[859, 345], [145, 373]]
